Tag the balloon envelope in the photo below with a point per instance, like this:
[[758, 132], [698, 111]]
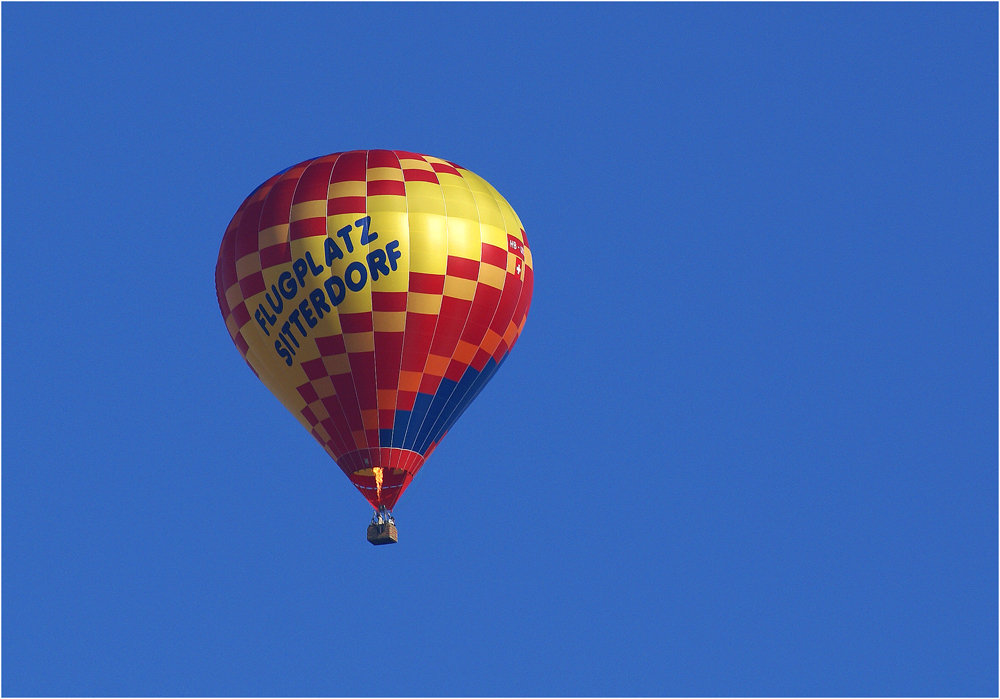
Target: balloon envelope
[[375, 293]]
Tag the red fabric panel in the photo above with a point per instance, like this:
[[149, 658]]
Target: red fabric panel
[[484, 306], [227, 259], [279, 202], [492, 255], [307, 392], [507, 304], [275, 255], [314, 182], [307, 228], [331, 346], [389, 301], [363, 372], [346, 205], [417, 340], [314, 369], [380, 187], [348, 400], [451, 320], [382, 158], [246, 234], [407, 155], [455, 370], [388, 350], [338, 422], [462, 267], [441, 167], [252, 284], [350, 166], [241, 315], [242, 345], [422, 283], [356, 322], [414, 175]]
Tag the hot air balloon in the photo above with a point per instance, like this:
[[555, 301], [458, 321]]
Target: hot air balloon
[[375, 293]]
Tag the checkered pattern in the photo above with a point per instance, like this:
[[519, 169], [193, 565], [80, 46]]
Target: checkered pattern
[[380, 379]]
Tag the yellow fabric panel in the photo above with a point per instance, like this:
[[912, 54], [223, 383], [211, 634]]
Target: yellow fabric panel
[[429, 246], [234, 296], [324, 387], [349, 188], [489, 212], [231, 326], [493, 235], [386, 202], [429, 190], [360, 342], [389, 321], [494, 276], [475, 182], [464, 238], [385, 173], [273, 235], [460, 203], [247, 265], [425, 303], [425, 206], [337, 364], [459, 288], [308, 209], [415, 164]]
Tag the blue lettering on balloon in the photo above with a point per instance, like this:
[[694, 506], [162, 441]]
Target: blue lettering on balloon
[[332, 250], [287, 285], [307, 314], [318, 302], [380, 263], [281, 304], [376, 263], [301, 269], [282, 352], [362, 271], [392, 250], [313, 267], [335, 296], [345, 235], [366, 237]]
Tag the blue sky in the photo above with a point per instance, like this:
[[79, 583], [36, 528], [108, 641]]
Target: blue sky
[[746, 445]]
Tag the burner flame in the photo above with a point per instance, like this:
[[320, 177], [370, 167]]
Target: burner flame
[[378, 481]]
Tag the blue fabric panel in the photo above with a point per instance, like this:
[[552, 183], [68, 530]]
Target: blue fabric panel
[[444, 392], [420, 405], [399, 422], [385, 438], [461, 392]]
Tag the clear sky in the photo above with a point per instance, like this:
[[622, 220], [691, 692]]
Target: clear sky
[[746, 445]]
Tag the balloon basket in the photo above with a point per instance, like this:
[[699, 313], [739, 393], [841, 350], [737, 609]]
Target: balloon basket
[[384, 533]]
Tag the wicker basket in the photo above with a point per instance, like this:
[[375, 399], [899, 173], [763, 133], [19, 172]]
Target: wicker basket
[[379, 534]]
